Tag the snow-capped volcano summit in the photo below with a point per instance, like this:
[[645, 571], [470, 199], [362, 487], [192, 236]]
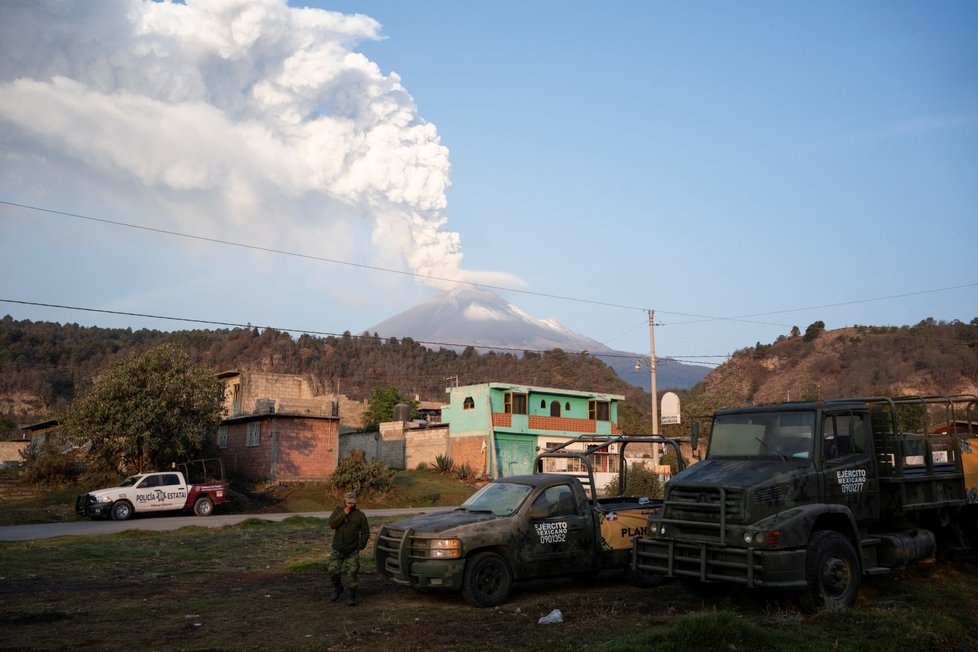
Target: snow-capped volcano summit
[[479, 317], [470, 316]]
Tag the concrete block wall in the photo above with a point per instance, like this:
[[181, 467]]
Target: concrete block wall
[[10, 453], [424, 445], [368, 442], [351, 412]]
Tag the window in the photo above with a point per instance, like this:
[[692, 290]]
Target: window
[[514, 403], [844, 434], [557, 501], [555, 408], [254, 434], [170, 480], [599, 410], [543, 403], [567, 406], [149, 481], [222, 436], [235, 399], [468, 403]]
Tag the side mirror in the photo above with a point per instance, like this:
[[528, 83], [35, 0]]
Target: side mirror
[[694, 437]]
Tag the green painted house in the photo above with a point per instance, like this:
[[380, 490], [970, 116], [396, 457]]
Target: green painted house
[[498, 428]]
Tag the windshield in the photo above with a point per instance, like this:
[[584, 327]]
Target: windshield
[[130, 481], [500, 498], [781, 435]]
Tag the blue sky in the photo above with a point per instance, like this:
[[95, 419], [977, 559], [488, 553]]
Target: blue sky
[[776, 163]]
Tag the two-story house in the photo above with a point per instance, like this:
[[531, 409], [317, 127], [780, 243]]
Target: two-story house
[[498, 428], [277, 428]]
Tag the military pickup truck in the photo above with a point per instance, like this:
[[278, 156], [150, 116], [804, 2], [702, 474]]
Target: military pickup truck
[[197, 485], [811, 497], [522, 527]]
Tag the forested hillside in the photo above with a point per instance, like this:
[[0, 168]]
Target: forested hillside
[[931, 358], [44, 365]]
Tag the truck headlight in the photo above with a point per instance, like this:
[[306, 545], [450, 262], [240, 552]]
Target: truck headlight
[[104, 499], [765, 538], [444, 548]]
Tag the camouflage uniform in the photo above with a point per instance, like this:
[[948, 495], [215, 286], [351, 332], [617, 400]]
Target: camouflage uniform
[[350, 534]]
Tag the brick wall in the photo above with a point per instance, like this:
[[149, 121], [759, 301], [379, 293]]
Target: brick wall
[[291, 449], [564, 424], [308, 450], [502, 420], [468, 450], [249, 461]]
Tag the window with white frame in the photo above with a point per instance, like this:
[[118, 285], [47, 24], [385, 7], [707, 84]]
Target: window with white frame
[[254, 434], [222, 436]]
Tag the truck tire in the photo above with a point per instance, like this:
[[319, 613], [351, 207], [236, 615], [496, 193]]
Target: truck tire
[[204, 506], [487, 580], [832, 572], [645, 579], [121, 510]]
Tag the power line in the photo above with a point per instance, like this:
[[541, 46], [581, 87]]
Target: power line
[[316, 258], [700, 318], [457, 345]]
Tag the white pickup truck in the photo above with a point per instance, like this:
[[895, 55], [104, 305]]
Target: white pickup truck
[[198, 485]]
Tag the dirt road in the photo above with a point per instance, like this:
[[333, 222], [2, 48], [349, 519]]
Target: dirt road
[[163, 522]]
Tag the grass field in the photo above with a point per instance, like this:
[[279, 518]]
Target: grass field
[[261, 585]]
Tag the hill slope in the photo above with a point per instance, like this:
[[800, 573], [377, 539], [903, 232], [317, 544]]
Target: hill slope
[[926, 360]]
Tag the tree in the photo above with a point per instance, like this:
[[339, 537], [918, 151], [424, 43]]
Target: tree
[[795, 331], [381, 407], [146, 411], [814, 330]]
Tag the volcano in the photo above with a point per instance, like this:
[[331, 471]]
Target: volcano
[[471, 316]]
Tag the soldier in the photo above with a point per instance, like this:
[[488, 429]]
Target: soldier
[[350, 536]]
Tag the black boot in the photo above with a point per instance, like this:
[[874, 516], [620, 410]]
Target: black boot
[[337, 589], [352, 600]]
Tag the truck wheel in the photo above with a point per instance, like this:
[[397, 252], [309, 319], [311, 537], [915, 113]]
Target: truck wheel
[[487, 580], [121, 510], [645, 579], [832, 572], [204, 507]]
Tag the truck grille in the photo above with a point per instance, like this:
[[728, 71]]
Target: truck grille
[[83, 504], [703, 512]]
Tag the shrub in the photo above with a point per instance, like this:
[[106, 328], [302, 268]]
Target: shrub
[[444, 464], [422, 466], [48, 464], [464, 472], [429, 496], [642, 481], [355, 473]]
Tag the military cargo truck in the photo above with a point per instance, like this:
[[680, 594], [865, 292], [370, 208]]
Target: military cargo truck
[[522, 527], [811, 497]]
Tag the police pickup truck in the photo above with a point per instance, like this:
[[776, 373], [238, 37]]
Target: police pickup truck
[[197, 485], [522, 527]]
